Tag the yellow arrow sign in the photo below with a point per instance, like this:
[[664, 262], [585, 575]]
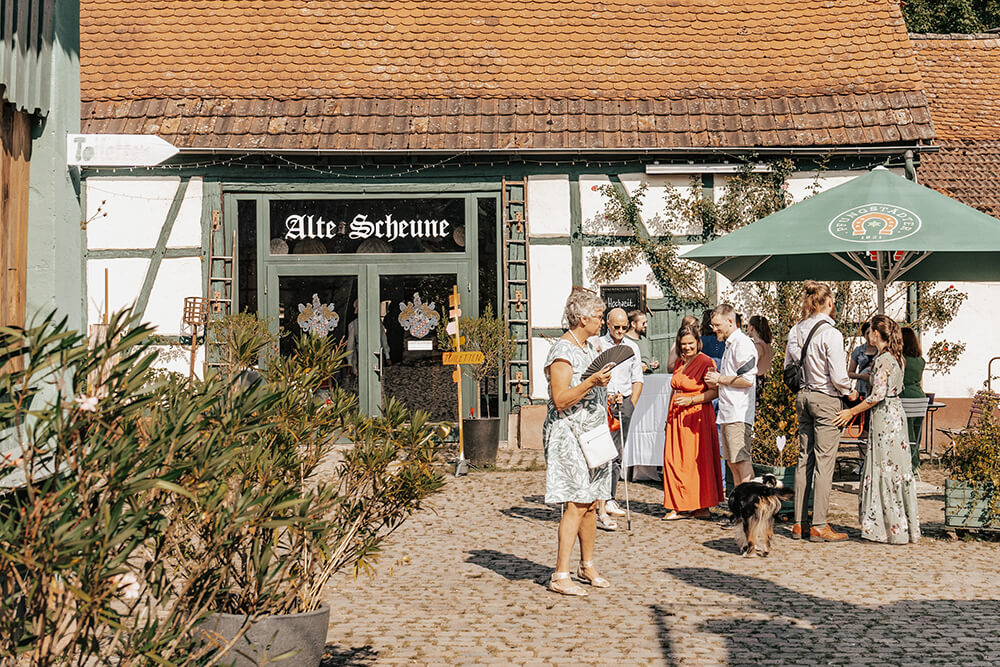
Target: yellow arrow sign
[[455, 358]]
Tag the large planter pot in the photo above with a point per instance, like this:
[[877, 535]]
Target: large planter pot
[[785, 475], [271, 637], [967, 506], [482, 438]]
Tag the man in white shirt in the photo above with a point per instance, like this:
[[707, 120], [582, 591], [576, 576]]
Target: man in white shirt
[[623, 394], [735, 379]]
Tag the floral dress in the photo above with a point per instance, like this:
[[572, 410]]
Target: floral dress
[[567, 477], [888, 509]]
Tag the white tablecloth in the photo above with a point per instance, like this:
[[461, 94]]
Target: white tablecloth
[[645, 441]]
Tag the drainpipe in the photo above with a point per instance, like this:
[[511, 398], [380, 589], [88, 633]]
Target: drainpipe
[[912, 296]]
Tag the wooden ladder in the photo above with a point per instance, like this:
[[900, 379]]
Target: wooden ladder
[[221, 270], [516, 286]]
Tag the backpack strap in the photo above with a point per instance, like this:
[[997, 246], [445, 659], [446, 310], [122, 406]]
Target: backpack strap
[[805, 346]]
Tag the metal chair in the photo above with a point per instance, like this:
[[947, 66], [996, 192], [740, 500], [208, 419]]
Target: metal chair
[[981, 399]]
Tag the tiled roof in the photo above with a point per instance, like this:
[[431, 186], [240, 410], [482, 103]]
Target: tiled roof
[[478, 74], [962, 79], [968, 172]]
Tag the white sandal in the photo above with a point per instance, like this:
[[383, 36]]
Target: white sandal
[[596, 582], [569, 588], [605, 522]]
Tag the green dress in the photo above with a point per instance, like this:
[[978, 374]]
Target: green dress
[[567, 477], [913, 388], [888, 509]]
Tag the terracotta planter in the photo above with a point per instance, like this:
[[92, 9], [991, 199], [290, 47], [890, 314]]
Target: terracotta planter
[[482, 439], [271, 637], [967, 506]]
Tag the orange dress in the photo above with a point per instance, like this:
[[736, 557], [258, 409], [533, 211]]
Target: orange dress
[[692, 477]]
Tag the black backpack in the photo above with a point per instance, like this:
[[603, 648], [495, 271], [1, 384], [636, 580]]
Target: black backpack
[[795, 372]]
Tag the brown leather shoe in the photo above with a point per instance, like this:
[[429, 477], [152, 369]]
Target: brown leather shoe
[[797, 531], [826, 534]]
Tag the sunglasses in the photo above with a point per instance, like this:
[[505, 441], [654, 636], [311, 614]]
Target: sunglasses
[[618, 328]]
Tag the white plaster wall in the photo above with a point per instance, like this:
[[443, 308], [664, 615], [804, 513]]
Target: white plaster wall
[[638, 275], [548, 205], [136, 209], [175, 358], [176, 279], [551, 282], [125, 277], [539, 351], [976, 324], [803, 184], [654, 204], [592, 206]]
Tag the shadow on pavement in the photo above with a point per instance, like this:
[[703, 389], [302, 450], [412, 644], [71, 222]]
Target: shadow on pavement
[[536, 513], [660, 614], [509, 566], [726, 544], [807, 629], [355, 656]]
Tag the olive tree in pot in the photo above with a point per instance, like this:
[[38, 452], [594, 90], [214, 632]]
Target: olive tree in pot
[[489, 335], [323, 506]]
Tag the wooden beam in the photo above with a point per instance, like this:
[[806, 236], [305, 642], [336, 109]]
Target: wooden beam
[[160, 250]]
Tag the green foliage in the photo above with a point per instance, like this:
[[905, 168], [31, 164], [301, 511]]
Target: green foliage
[[241, 340], [975, 457], [140, 503], [678, 279], [487, 334], [947, 16]]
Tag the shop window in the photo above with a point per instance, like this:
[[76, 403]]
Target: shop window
[[246, 259], [369, 225]]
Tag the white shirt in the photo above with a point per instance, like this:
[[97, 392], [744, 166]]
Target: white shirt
[[625, 373], [826, 360], [736, 404]]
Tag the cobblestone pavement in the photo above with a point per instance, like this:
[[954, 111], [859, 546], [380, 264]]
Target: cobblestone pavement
[[463, 582]]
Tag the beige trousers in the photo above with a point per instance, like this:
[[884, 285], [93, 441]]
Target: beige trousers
[[819, 440]]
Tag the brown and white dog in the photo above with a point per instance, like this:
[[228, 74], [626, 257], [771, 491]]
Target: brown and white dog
[[753, 505]]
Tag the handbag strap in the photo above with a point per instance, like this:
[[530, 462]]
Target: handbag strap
[[805, 346]]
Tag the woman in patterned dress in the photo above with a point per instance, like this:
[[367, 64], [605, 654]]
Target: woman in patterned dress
[[888, 506], [575, 406]]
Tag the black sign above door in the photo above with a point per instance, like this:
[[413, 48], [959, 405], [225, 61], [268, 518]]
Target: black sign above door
[[390, 225]]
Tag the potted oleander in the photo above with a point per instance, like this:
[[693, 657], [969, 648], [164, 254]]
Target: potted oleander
[[487, 334], [319, 518], [972, 489]]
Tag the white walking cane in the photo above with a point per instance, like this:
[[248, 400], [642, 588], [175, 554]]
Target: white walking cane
[[621, 440]]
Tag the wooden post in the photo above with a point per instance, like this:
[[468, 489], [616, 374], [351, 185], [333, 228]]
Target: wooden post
[[455, 312]]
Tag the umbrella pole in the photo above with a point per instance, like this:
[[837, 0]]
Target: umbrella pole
[[881, 283]]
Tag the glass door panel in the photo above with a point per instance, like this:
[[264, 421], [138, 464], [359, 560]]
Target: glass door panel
[[326, 306], [411, 307]]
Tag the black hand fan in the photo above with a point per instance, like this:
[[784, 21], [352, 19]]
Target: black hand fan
[[613, 355]]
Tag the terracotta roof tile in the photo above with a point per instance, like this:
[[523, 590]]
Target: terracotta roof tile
[[486, 73], [962, 77], [967, 171]]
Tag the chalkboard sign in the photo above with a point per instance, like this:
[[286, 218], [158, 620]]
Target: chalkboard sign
[[626, 297]]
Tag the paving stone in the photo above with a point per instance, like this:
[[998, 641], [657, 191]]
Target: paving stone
[[474, 590]]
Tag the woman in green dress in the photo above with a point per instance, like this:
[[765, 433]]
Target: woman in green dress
[[888, 507], [913, 375], [575, 406]]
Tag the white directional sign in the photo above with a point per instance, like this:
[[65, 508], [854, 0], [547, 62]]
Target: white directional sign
[[117, 150]]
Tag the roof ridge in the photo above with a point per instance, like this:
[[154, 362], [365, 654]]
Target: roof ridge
[[955, 35]]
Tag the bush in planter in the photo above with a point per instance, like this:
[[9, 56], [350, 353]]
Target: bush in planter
[[92, 481], [973, 487], [279, 564], [170, 499]]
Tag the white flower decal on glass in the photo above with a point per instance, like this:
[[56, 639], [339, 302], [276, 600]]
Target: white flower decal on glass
[[317, 318]]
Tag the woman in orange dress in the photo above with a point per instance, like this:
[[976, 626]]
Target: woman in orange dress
[[692, 477]]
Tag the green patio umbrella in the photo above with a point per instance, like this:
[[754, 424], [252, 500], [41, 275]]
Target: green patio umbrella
[[878, 227]]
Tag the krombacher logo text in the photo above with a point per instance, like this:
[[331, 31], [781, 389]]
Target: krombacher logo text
[[388, 228]]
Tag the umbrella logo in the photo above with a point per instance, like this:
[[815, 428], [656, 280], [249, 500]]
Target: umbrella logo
[[874, 223]]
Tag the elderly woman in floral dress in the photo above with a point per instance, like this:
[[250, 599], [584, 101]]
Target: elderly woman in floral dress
[[888, 507], [575, 406]]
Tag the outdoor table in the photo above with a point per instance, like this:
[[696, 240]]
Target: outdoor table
[[646, 434], [928, 425]]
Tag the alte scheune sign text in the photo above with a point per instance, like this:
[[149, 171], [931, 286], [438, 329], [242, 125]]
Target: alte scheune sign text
[[388, 228]]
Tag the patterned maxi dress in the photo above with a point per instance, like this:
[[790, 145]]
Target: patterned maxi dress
[[888, 509], [567, 477]]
